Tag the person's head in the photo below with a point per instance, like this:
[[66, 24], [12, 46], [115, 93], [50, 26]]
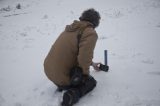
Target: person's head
[[92, 16]]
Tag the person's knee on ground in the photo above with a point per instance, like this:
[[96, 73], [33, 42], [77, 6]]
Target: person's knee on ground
[[75, 79], [76, 76]]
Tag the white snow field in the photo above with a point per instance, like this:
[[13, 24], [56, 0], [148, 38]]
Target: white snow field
[[129, 30]]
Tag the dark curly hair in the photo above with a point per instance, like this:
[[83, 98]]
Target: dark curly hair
[[92, 16]]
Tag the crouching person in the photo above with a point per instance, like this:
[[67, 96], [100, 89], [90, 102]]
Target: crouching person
[[67, 63]]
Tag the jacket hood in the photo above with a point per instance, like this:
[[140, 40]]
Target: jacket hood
[[77, 25]]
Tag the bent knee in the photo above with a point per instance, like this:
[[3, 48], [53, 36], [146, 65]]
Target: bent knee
[[91, 81]]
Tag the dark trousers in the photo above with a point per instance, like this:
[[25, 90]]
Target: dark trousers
[[87, 85]]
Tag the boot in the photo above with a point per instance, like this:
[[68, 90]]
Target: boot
[[71, 97]]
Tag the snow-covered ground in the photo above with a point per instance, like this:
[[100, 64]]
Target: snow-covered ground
[[129, 30]]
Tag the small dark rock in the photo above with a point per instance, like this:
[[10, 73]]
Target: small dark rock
[[18, 6]]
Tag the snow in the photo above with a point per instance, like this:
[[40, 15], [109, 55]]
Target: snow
[[129, 30]]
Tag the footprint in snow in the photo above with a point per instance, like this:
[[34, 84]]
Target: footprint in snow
[[45, 17], [35, 89], [158, 26], [147, 61], [24, 34], [113, 13], [42, 93], [17, 104], [154, 73], [2, 100], [137, 55]]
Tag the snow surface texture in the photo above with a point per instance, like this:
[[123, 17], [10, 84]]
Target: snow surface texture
[[129, 30]]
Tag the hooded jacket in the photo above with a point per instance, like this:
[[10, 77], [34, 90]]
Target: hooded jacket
[[63, 55]]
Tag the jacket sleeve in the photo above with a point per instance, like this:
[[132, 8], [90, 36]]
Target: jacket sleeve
[[86, 50]]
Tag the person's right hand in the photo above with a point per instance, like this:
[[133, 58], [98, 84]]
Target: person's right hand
[[96, 66]]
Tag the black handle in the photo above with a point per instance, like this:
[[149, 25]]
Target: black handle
[[104, 67]]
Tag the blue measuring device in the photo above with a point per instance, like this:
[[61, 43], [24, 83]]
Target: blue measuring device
[[105, 66]]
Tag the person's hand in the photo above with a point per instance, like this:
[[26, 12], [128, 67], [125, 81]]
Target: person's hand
[[96, 66]]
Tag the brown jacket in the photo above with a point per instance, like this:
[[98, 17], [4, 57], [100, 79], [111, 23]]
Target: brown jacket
[[63, 54]]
